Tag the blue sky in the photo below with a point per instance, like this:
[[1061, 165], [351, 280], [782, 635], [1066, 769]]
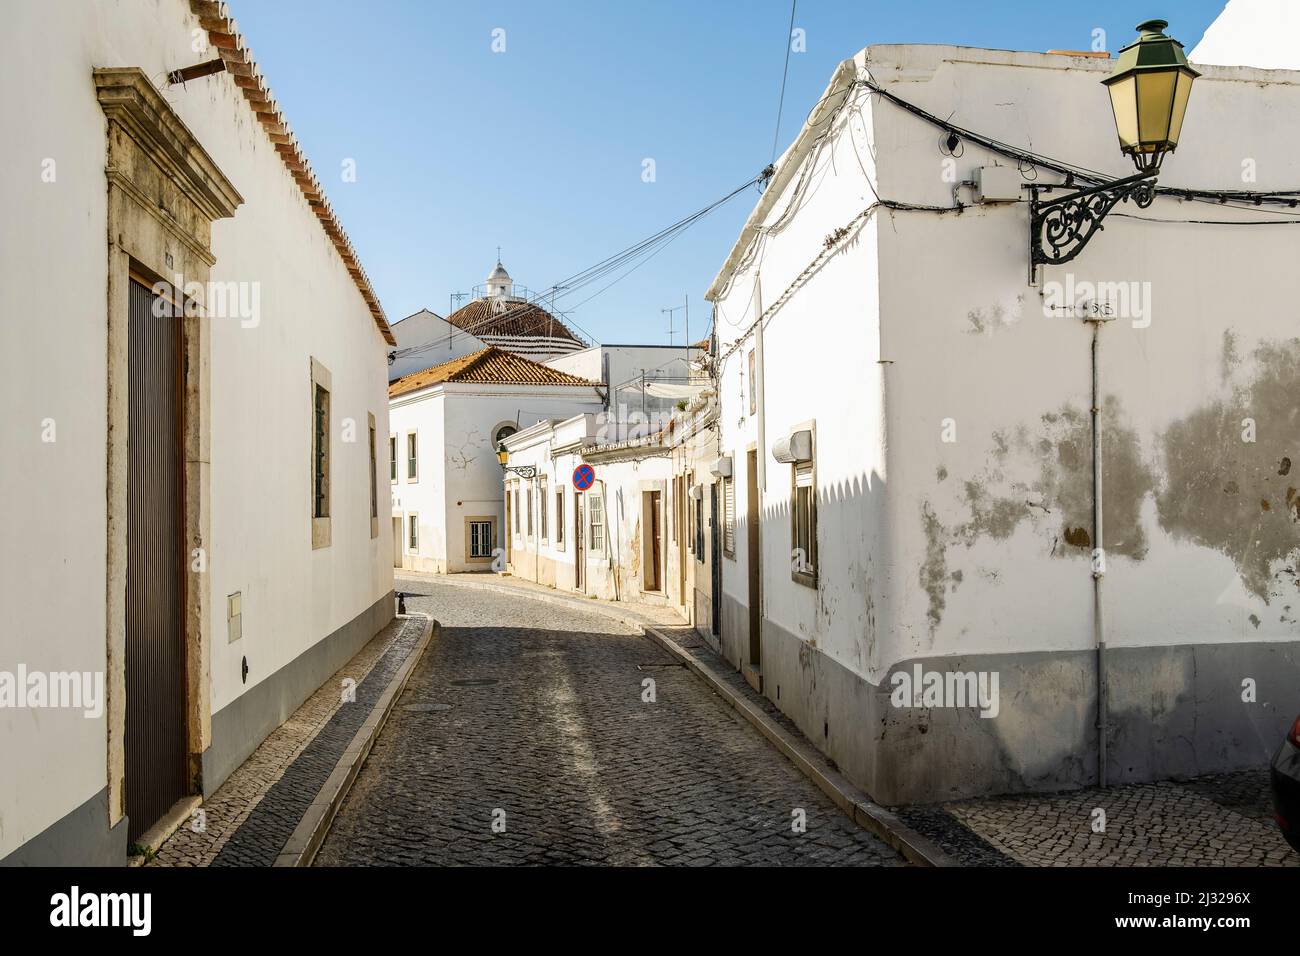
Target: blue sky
[[539, 149]]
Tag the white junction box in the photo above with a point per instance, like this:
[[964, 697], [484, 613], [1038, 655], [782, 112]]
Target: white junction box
[[998, 184]]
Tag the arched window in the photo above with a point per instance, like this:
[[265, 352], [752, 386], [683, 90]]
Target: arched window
[[501, 434]]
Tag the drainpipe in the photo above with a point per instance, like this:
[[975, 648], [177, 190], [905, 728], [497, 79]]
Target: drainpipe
[[758, 385], [1098, 555]]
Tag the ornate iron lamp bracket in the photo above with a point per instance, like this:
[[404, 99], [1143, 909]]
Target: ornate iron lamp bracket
[[1060, 228], [523, 471]]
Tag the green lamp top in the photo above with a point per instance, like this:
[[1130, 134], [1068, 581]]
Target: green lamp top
[[1151, 51]]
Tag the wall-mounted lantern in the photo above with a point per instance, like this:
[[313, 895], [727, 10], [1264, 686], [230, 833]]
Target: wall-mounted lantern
[[1149, 89]]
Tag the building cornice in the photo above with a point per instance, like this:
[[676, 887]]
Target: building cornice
[[131, 101]]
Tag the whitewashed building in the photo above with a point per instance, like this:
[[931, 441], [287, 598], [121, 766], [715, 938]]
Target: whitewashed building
[[193, 437], [647, 527], [446, 424], [908, 418]]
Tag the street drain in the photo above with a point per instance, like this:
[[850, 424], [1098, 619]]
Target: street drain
[[475, 682], [426, 708], [642, 667]]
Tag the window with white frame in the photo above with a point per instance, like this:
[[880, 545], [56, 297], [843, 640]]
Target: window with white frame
[[413, 533], [541, 504], [596, 509], [392, 458], [559, 517], [530, 495], [412, 457], [728, 517]]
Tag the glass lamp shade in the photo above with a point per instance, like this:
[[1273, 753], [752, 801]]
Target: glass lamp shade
[[1149, 90]]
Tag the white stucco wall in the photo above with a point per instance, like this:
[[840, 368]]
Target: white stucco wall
[[52, 365], [1262, 33], [952, 431], [821, 355], [984, 325]]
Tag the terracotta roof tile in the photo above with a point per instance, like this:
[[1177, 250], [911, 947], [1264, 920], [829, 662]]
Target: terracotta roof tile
[[511, 318], [489, 366]]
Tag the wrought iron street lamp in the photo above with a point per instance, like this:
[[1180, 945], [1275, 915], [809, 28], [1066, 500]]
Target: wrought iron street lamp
[[523, 471], [1149, 89]]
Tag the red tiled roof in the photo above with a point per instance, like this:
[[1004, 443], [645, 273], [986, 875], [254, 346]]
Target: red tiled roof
[[510, 318], [489, 366]]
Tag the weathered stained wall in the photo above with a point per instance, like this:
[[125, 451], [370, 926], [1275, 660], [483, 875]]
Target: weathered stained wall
[[953, 439]]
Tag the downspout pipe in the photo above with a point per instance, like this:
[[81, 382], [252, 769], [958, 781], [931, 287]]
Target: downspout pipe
[[1098, 557], [757, 385]]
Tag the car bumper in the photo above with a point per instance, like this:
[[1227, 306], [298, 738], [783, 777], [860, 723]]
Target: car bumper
[[1285, 777]]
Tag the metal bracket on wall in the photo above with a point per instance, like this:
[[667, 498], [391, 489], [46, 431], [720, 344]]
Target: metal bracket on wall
[[1060, 228]]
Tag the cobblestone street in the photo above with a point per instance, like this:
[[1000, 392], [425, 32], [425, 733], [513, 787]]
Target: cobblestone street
[[523, 738]]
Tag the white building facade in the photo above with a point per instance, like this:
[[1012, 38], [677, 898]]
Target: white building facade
[[647, 526], [446, 425], [194, 437], [909, 423]]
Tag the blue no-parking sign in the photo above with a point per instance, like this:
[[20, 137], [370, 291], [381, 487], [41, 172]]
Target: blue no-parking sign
[[584, 476]]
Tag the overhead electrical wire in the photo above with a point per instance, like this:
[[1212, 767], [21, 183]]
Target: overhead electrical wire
[[1235, 199], [634, 256], [1072, 171], [785, 74]]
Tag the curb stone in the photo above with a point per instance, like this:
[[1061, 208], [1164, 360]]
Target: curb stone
[[866, 813], [310, 833]]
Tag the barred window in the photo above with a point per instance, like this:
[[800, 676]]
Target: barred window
[[321, 455], [596, 508], [541, 505], [728, 517], [374, 477]]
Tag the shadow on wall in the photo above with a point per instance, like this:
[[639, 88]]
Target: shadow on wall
[[1220, 477]]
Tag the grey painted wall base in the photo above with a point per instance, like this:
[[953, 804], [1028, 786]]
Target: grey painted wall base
[[245, 722], [1174, 711], [82, 838]]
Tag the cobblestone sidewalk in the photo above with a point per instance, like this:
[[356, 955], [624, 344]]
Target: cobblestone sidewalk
[[1218, 820], [252, 814]]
